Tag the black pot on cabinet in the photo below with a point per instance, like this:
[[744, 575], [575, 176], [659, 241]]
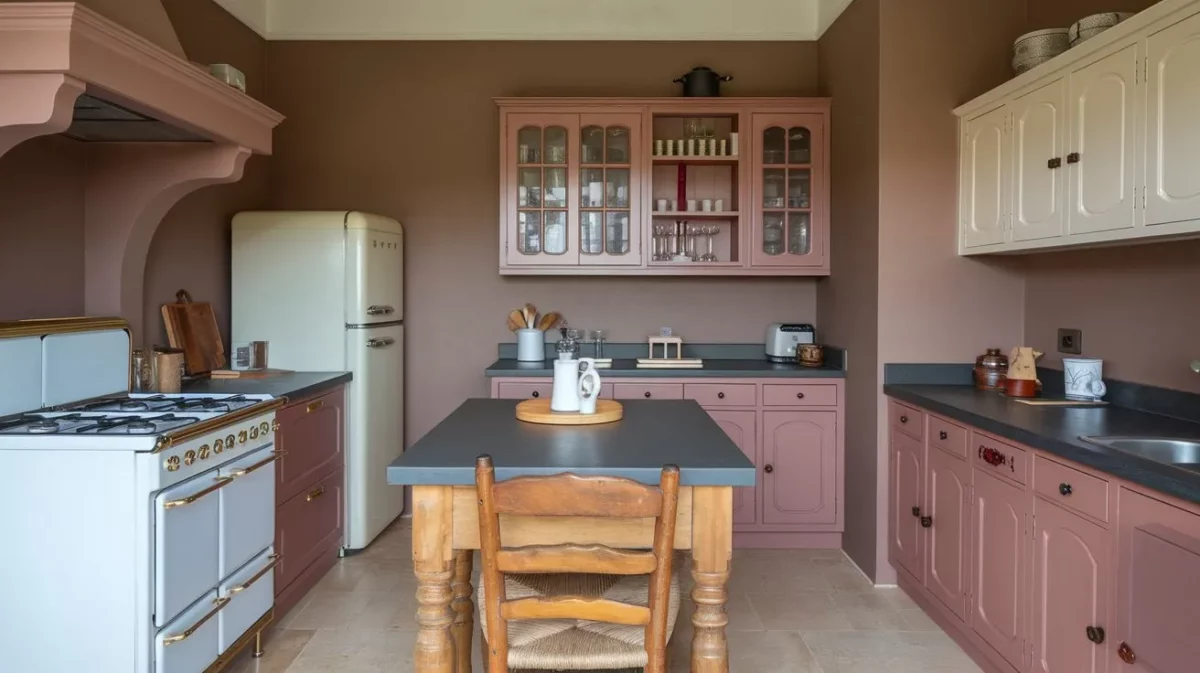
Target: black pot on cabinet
[[702, 82]]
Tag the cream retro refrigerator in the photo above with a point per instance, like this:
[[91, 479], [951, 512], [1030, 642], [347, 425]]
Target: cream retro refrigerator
[[326, 290]]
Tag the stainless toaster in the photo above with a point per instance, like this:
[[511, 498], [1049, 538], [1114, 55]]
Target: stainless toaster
[[782, 339]]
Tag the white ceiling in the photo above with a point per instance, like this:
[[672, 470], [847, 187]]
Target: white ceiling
[[537, 19]]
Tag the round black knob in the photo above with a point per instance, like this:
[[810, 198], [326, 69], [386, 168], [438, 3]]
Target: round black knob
[[916, 512], [536, 394], [943, 436], [904, 419], [1095, 634], [926, 522], [647, 393], [799, 396], [769, 469], [720, 396], [1065, 489]]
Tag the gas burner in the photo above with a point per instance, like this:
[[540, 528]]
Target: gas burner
[[140, 427], [134, 405], [45, 426]]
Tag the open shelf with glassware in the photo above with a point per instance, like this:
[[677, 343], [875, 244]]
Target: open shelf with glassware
[[664, 186]]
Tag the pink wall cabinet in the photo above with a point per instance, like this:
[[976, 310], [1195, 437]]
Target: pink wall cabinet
[[946, 520], [1071, 577], [998, 564], [1158, 587], [906, 467], [740, 426], [540, 188], [789, 191], [799, 467]]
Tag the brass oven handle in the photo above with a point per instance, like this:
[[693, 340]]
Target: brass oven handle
[[222, 482], [220, 604], [315, 493], [257, 576], [275, 455], [313, 406]]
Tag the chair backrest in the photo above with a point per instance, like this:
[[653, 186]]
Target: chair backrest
[[574, 495]]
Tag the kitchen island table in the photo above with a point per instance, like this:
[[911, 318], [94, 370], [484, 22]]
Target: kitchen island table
[[440, 468]]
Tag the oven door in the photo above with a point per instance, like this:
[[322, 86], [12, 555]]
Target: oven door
[[247, 511], [186, 543], [189, 644], [251, 593]]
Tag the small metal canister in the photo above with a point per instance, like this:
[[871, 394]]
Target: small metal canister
[[141, 374]]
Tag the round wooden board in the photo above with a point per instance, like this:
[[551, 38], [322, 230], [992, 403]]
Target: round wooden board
[[538, 411]]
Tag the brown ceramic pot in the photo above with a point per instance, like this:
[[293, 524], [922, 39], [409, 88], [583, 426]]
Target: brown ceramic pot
[[810, 355], [1020, 387], [990, 370]]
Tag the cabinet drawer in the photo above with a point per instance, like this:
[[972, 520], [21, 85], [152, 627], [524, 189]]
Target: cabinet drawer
[[907, 420], [948, 436], [306, 526], [312, 433], [720, 394], [1071, 488], [999, 458], [795, 395], [648, 391], [524, 391]]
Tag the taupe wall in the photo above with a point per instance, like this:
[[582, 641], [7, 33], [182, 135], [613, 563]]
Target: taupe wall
[[848, 301], [409, 130]]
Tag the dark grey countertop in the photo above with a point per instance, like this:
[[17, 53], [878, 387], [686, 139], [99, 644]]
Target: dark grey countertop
[[713, 368], [653, 433], [1057, 430], [294, 385]]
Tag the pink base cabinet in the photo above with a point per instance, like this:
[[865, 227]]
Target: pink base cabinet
[[792, 429], [1032, 563]]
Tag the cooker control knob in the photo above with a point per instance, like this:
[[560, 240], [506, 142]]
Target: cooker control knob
[[205, 451], [219, 445], [189, 457], [242, 437], [264, 427], [172, 463], [230, 440], [254, 432]]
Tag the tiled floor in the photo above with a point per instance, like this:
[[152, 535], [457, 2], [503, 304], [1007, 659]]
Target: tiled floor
[[789, 611]]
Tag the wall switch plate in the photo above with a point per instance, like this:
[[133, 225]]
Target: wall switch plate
[[1070, 341]]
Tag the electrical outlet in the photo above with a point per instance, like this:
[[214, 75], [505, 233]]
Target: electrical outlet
[[1070, 341]]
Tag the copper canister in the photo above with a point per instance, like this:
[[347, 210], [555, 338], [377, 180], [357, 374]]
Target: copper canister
[[991, 370]]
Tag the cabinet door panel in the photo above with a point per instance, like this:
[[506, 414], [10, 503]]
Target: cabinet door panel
[[907, 467], [998, 566], [312, 432], [946, 484], [1071, 575], [609, 222], [790, 220], [1173, 137], [1102, 180], [540, 188], [1039, 186], [740, 426], [985, 176], [800, 467]]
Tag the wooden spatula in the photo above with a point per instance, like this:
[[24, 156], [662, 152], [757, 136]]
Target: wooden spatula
[[516, 320], [549, 321]]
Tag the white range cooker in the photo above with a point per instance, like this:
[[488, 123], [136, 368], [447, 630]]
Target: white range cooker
[[138, 530]]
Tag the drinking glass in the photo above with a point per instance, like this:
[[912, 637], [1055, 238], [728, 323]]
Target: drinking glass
[[709, 232]]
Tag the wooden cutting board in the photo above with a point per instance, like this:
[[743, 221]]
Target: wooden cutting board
[[192, 327]]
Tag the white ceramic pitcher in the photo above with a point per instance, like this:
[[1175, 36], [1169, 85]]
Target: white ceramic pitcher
[[565, 395], [589, 385]]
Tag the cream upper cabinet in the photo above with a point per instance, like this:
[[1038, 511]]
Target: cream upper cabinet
[[1039, 162], [985, 174], [1172, 129], [1102, 144], [1101, 161]]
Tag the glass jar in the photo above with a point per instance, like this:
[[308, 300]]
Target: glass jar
[[142, 376], [773, 234]]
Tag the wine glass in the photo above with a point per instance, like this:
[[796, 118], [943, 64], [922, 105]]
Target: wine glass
[[709, 232]]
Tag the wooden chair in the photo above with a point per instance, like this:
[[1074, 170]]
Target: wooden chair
[[571, 607]]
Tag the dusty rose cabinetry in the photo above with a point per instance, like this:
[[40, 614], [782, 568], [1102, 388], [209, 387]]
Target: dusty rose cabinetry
[[792, 431], [597, 185], [308, 493], [1033, 563]]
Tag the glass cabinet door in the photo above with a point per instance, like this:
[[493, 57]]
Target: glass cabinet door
[[609, 189], [539, 156], [788, 211]]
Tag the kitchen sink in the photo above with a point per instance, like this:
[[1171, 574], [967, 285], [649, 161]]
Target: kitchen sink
[[1161, 449]]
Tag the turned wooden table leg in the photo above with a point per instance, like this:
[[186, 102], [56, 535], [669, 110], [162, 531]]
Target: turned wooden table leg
[[463, 608], [712, 543], [432, 525]]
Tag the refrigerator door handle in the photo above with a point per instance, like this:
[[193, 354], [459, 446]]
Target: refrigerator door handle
[[380, 310], [380, 342]]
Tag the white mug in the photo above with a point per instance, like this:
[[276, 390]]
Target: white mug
[[660, 205], [658, 148], [670, 148], [719, 205], [691, 147], [674, 205], [1083, 378], [706, 205], [691, 204]]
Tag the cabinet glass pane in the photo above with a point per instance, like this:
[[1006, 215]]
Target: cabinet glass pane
[[591, 187], [617, 188], [591, 141], [774, 185], [556, 188], [556, 232], [591, 232], [774, 144], [529, 188], [799, 234], [772, 242], [799, 145], [799, 184], [617, 145], [529, 232], [529, 145], [617, 232], [556, 145]]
